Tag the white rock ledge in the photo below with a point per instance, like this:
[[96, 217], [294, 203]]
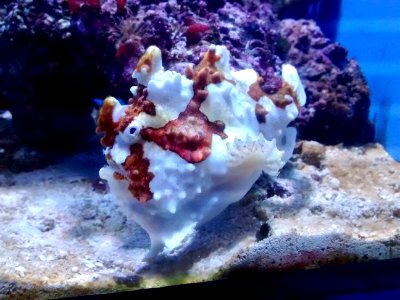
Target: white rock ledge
[[62, 236]]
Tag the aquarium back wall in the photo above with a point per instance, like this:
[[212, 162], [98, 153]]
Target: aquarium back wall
[[370, 30]]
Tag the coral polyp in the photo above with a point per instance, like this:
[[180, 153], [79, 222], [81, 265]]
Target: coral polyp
[[188, 145]]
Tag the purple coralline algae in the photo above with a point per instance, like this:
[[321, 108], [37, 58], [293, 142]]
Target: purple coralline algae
[[57, 56], [338, 97]]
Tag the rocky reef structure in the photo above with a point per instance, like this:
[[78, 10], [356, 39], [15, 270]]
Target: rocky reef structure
[[187, 146], [338, 97], [88, 49], [47, 76]]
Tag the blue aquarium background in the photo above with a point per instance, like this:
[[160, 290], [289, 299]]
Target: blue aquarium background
[[370, 30]]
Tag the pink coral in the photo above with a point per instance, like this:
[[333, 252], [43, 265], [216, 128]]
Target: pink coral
[[195, 31]]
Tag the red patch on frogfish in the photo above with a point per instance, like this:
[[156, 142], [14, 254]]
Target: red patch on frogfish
[[190, 135], [136, 165], [137, 168], [255, 91], [138, 106], [283, 97], [145, 62], [105, 123]]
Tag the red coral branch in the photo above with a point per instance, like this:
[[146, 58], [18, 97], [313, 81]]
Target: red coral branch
[[195, 31], [74, 5], [95, 4], [121, 5]]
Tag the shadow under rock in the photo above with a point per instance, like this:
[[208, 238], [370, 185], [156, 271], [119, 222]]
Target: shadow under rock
[[279, 254], [103, 217], [286, 187], [67, 168], [234, 224], [86, 163]]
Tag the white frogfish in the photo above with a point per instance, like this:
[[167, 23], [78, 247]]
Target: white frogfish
[[188, 145]]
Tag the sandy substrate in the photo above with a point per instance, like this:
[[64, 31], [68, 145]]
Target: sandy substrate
[[62, 235]]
